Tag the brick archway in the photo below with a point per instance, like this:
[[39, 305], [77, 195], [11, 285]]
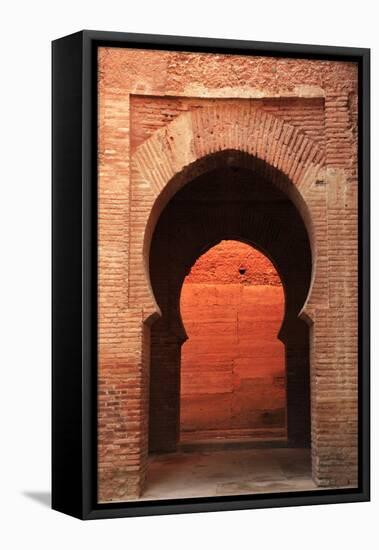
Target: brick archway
[[233, 200], [191, 145], [183, 150]]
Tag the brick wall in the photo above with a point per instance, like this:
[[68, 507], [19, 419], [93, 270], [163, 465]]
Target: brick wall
[[164, 120], [149, 114], [232, 365]]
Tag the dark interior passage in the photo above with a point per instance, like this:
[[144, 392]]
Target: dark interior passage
[[230, 202]]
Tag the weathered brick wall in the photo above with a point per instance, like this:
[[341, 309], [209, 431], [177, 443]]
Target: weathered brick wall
[[299, 118], [232, 365], [149, 114]]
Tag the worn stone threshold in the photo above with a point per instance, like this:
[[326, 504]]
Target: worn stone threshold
[[231, 444]]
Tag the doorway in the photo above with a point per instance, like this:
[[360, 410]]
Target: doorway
[[230, 205], [233, 387]]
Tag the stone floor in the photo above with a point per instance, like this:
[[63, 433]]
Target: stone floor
[[228, 472]]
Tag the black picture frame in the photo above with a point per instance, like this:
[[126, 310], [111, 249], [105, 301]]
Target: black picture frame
[[74, 295]]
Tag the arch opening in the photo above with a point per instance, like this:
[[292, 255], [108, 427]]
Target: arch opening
[[234, 162], [239, 200], [233, 385]]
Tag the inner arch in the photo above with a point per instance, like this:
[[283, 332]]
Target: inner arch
[[233, 364]]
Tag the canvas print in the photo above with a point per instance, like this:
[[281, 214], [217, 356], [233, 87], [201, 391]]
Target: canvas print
[[227, 246]]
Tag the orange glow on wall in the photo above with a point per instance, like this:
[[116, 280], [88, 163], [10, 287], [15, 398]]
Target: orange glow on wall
[[232, 365]]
